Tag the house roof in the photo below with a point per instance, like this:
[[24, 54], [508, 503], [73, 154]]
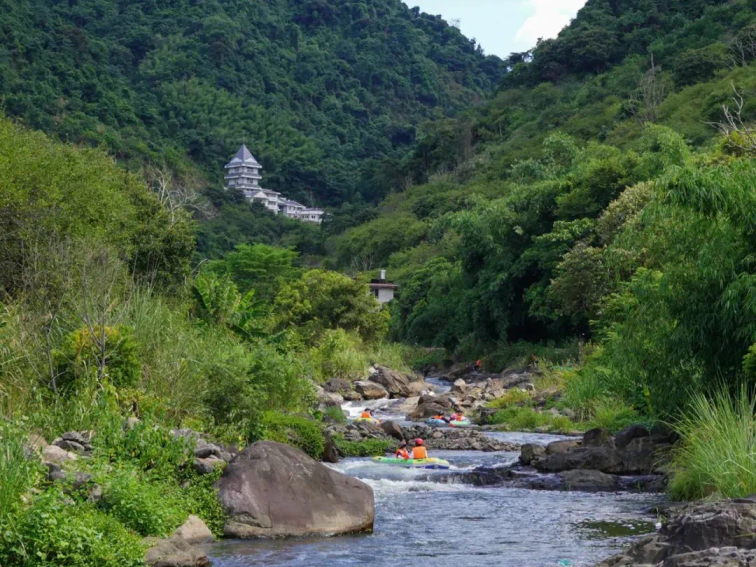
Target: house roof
[[243, 157], [383, 286]]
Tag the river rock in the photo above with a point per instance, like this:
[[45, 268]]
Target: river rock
[[591, 458], [624, 437], [331, 452], [395, 383], [173, 552], [698, 535], [208, 465], [662, 434], [408, 406], [194, 532], [329, 400], [459, 387], [599, 437], [54, 454], [588, 481], [417, 388], [393, 430], [563, 446], [428, 406], [531, 452], [352, 396], [274, 490], [370, 390], [642, 456], [337, 386]]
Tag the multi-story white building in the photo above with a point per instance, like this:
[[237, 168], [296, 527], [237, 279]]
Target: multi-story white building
[[243, 173]]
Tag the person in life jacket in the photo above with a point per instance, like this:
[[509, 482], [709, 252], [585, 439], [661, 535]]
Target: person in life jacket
[[366, 414], [478, 365], [401, 452], [419, 452]]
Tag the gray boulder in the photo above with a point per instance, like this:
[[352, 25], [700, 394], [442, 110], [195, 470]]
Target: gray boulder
[[599, 437], [337, 386], [395, 383], [272, 490], [393, 430], [624, 437], [591, 458], [194, 531], [173, 552], [698, 535], [207, 466], [370, 390], [563, 446], [530, 452], [588, 481], [428, 406]]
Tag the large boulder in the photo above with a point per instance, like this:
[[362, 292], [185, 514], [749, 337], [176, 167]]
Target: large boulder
[[272, 490], [396, 384], [428, 406], [642, 456], [54, 454], [393, 430], [173, 552], [417, 388], [370, 390]]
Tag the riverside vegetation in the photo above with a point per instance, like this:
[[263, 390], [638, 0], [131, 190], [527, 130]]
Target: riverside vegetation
[[595, 215]]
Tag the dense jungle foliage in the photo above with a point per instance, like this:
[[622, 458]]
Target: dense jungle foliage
[[327, 93], [596, 200]]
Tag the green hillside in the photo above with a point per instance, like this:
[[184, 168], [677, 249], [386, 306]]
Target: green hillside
[[323, 91], [574, 205]]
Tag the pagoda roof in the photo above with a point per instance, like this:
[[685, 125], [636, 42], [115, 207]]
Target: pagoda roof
[[243, 157]]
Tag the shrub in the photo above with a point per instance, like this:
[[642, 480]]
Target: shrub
[[339, 355], [366, 448], [613, 415], [81, 353], [201, 499], [293, 430], [334, 415], [528, 419], [148, 508], [147, 446], [53, 532], [718, 452], [512, 397]]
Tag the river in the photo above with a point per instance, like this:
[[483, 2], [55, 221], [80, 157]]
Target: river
[[423, 521]]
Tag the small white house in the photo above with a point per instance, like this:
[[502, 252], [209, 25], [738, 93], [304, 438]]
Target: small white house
[[383, 290]]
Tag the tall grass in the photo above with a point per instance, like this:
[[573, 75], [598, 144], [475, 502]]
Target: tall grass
[[18, 473], [718, 453]]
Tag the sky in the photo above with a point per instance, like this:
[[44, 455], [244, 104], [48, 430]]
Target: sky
[[505, 26]]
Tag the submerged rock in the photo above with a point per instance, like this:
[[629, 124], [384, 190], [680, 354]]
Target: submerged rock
[[272, 490], [370, 390]]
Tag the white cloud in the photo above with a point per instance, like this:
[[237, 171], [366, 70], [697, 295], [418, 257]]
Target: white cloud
[[548, 19]]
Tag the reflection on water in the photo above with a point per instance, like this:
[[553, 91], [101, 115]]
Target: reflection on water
[[424, 523]]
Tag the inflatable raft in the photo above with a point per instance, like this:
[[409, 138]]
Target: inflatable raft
[[432, 464], [437, 422], [368, 420], [463, 423]]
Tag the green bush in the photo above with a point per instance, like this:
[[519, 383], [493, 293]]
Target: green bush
[[201, 499], [293, 430], [53, 532], [334, 415], [148, 508], [513, 397], [717, 457], [81, 354], [147, 446], [340, 355], [613, 415], [366, 448]]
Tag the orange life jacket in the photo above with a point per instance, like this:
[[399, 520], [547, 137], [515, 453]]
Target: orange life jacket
[[419, 453], [402, 454], [366, 415]]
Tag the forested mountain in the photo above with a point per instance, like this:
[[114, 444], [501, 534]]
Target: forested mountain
[[575, 203], [323, 91]]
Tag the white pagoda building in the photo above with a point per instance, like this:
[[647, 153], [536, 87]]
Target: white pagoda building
[[243, 174]]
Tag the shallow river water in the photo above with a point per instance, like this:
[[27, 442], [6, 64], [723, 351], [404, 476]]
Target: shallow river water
[[425, 522]]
